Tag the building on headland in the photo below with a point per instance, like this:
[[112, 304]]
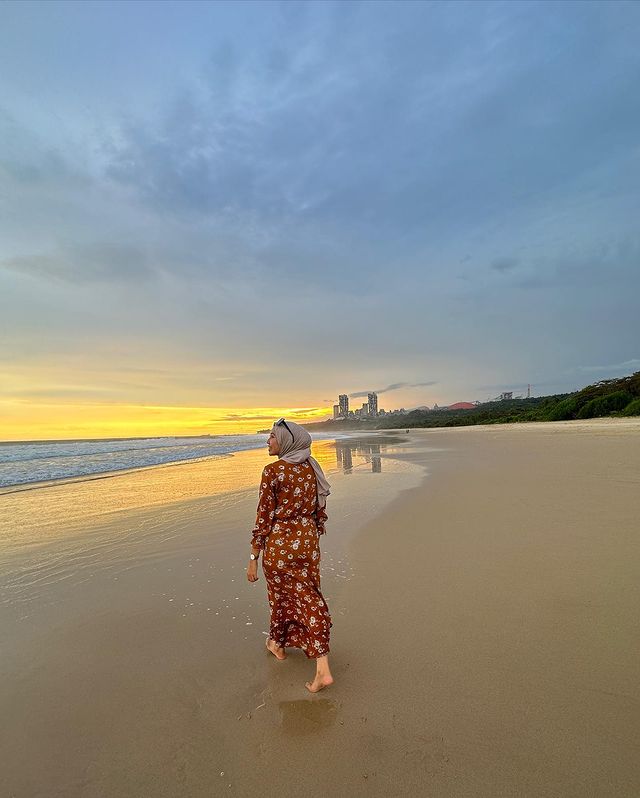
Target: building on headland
[[370, 409]]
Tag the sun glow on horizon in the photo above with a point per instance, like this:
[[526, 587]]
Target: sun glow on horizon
[[31, 421]]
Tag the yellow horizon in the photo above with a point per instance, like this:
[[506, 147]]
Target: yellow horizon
[[26, 421]]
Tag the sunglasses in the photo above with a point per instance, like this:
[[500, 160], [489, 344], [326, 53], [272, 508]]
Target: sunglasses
[[282, 423]]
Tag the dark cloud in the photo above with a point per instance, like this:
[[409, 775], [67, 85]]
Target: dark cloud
[[393, 387], [279, 143], [504, 264], [97, 263]]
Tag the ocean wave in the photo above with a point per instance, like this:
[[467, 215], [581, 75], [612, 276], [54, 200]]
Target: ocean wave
[[25, 463]]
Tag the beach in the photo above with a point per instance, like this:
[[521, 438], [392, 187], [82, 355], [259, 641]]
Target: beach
[[483, 583]]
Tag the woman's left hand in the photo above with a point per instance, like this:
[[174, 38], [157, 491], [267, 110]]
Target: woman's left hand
[[252, 571]]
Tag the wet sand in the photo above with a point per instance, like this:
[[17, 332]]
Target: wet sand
[[484, 586]]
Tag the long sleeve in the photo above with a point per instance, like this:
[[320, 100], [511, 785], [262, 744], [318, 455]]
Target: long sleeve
[[266, 510], [321, 519]]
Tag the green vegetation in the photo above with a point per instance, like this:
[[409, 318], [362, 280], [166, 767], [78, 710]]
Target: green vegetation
[[605, 405], [632, 409], [618, 397]]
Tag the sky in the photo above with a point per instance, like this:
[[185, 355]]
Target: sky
[[213, 214]]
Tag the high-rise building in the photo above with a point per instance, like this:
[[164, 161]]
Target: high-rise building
[[373, 404], [336, 412], [365, 409], [343, 404]]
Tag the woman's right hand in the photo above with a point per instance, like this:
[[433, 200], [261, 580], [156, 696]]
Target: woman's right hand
[[252, 571]]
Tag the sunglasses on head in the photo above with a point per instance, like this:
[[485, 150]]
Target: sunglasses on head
[[282, 423]]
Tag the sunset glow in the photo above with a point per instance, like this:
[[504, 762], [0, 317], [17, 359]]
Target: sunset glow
[[24, 421], [218, 213]]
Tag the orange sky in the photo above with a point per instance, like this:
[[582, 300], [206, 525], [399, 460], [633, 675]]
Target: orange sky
[[99, 394], [26, 420]]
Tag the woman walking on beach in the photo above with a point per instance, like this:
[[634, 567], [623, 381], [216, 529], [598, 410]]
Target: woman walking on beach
[[291, 517]]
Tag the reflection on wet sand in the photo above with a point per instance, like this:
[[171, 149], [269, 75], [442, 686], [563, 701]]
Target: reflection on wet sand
[[307, 716], [369, 453], [139, 598]]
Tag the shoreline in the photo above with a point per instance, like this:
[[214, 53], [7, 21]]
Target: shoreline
[[18, 487], [65, 502], [92, 533], [620, 424], [482, 638], [21, 487]]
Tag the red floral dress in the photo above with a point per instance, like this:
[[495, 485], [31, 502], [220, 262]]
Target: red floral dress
[[288, 526]]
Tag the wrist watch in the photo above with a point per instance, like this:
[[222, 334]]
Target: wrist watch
[[253, 556]]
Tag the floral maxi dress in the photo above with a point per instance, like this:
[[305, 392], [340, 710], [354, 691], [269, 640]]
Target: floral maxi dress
[[287, 528]]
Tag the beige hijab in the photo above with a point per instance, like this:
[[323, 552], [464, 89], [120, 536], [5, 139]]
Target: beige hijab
[[295, 447]]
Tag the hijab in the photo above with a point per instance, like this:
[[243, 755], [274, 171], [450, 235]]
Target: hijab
[[295, 447]]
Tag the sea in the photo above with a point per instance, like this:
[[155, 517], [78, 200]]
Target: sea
[[44, 461]]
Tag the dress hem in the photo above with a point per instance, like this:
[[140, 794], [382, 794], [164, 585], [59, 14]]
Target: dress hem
[[308, 656]]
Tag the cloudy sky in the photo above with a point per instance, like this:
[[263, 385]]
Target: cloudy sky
[[213, 213]]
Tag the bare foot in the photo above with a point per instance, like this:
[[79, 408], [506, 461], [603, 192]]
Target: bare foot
[[319, 683], [277, 651]]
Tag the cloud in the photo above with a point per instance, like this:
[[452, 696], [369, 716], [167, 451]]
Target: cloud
[[101, 262], [273, 144], [292, 414], [79, 393], [506, 386], [243, 417], [30, 163], [235, 213], [393, 387], [627, 366], [504, 264]]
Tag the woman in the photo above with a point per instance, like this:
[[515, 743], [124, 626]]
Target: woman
[[291, 517]]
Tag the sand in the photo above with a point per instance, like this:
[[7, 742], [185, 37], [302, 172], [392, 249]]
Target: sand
[[484, 586]]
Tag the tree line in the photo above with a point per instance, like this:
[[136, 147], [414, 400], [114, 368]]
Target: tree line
[[616, 397]]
